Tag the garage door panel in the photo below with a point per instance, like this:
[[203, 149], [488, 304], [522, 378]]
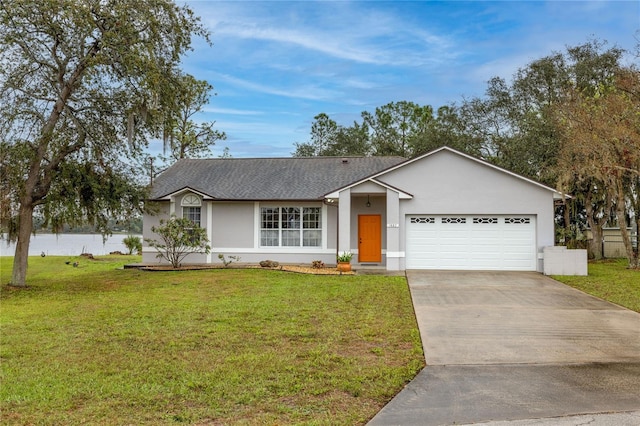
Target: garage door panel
[[426, 244], [484, 237], [471, 242], [453, 244], [517, 234], [478, 241], [460, 234], [452, 263], [511, 256], [520, 245], [481, 266], [487, 255]]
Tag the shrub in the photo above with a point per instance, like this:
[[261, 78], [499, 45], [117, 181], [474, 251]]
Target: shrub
[[179, 238], [230, 261], [132, 243]]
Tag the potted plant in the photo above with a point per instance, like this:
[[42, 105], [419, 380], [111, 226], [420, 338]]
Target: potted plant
[[344, 261]]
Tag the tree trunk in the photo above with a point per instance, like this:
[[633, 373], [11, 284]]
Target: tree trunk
[[622, 223], [21, 257], [595, 245], [567, 223], [37, 184], [634, 195], [637, 251], [595, 224]]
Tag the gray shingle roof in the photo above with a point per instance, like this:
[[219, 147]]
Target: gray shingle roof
[[308, 178]]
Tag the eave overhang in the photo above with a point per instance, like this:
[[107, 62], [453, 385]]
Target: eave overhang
[[401, 194]]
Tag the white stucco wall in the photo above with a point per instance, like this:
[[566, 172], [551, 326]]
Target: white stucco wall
[[447, 183], [163, 210], [233, 230], [441, 183], [233, 226]]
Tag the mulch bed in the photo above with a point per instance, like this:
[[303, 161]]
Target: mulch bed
[[314, 271], [287, 268]]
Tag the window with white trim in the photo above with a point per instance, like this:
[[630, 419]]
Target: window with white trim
[[191, 208], [193, 214], [290, 226]]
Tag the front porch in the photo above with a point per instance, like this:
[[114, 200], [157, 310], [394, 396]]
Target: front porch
[[369, 224]]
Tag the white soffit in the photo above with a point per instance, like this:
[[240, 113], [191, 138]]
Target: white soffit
[[184, 190], [401, 194]]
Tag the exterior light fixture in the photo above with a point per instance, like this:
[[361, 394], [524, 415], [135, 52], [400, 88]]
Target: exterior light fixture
[[368, 202]]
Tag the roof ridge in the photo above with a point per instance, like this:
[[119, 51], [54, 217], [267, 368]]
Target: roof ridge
[[321, 157]]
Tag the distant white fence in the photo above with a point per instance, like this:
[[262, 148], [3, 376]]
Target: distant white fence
[[612, 245]]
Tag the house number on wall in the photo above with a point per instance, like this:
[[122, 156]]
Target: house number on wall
[[393, 225]]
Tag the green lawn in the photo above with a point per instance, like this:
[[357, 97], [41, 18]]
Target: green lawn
[[609, 280], [101, 345]]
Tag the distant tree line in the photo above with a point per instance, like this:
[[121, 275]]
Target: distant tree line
[[570, 120], [398, 128]]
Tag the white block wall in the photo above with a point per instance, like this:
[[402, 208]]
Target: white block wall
[[560, 261]]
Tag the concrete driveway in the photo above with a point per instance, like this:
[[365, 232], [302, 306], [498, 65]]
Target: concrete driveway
[[516, 345]]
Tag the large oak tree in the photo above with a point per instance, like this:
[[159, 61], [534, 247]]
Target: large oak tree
[[83, 85], [601, 146], [515, 121]]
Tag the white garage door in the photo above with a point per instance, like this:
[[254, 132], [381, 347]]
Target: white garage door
[[471, 242]]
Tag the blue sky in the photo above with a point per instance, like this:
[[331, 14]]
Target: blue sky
[[275, 65]]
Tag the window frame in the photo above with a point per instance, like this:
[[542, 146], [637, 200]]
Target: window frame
[[305, 222], [192, 205], [189, 211]]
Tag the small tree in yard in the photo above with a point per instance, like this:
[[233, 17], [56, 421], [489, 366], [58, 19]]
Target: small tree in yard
[[133, 243], [179, 238]]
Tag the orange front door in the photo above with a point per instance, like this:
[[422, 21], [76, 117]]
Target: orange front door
[[369, 238]]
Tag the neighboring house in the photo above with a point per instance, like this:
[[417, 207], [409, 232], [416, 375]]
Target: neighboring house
[[442, 210]]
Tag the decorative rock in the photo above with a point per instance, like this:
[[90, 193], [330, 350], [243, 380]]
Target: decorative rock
[[269, 264]]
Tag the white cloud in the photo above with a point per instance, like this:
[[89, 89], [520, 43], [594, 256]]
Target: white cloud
[[230, 111], [275, 65], [354, 32], [318, 42], [306, 91], [356, 83]]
